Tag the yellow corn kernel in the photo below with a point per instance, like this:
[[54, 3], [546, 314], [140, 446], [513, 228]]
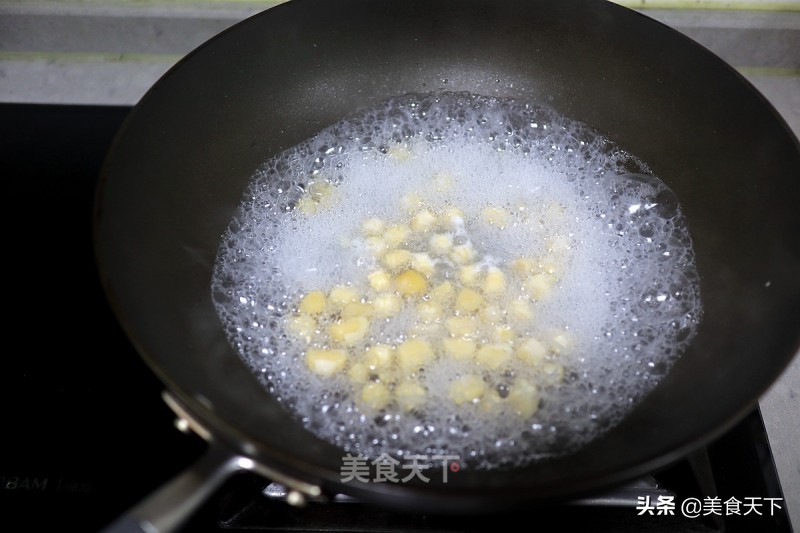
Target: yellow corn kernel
[[461, 326], [429, 311], [496, 216], [358, 373], [412, 202], [349, 331], [490, 402], [410, 283], [414, 354], [466, 389], [493, 356], [356, 309], [397, 259], [443, 182], [550, 265], [376, 246], [342, 295], [385, 305], [462, 254], [379, 356], [380, 281], [468, 300], [440, 244], [303, 327], [520, 312], [490, 314], [523, 266], [313, 303], [452, 218], [532, 351], [422, 263], [373, 227], [423, 221], [562, 343], [375, 396], [560, 244], [552, 372], [539, 286], [470, 275], [494, 282], [410, 395], [396, 235], [523, 398], [306, 205], [459, 348], [401, 152], [503, 333], [325, 363], [443, 293]]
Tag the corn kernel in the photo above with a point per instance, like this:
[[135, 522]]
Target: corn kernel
[[376, 246], [459, 348], [342, 295], [560, 244], [429, 311], [303, 327], [440, 244], [412, 202], [555, 211], [443, 293], [373, 227], [562, 343], [396, 235], [490, 314], [539, 286], [493, 356], [358, 373], [520, 312], [452, 218], [461, 326], [414, 354], [410, 395], [552, 372], [550, 265], [385, 305], [523, 266], [397, 259], [410, 283], [356, 309], [466, 389], [401, 152], [349, 331], [469, 275], [422, 263], [523, 398], [325, 363], [532, 351], [375, 396], [379, 356], [423, 221], [319, 191], [313, 303], [307, 206], [462, 254], [380, 281], [496, 216], [503, 333], [468, 300], [494, 283]]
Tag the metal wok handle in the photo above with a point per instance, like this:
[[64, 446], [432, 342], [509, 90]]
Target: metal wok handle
[[169, 506]]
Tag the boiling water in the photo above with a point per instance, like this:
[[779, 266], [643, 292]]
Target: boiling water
[[625, 295]]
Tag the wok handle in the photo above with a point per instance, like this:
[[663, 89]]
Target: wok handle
[[168, 507]]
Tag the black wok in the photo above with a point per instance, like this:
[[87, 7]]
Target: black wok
[[178, 167]]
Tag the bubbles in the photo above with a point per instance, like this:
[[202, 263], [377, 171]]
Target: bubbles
[[628, 292]]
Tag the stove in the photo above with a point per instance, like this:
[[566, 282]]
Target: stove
[[87, 434]]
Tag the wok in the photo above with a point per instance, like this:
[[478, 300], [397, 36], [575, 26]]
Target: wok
[[178, 167]]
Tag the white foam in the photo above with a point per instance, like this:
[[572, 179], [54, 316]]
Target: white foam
[[628, 293]]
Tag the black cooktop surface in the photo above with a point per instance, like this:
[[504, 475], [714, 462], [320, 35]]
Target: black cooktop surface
[[86, 435]]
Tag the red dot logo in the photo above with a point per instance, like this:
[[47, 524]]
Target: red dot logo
[[455, 467]]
